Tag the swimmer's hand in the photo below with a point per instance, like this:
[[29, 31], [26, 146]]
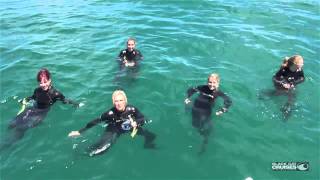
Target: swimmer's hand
[[288, 85], [128, 64], [133, 123], [223, 110], [74, 134], [187, 101], [78, 105], [218, 113]]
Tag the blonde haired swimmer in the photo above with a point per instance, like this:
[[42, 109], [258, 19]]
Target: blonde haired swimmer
[[119, 99], [202, 107], [121, 118], [213, 81], [290, 73], [286, 80]]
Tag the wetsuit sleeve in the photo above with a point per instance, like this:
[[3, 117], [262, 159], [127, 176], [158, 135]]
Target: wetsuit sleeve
[[59, 96], [278, 78], [200, 89], [139, 55], [32, 97], [227, 101], [105, 117], [192, 90], [121, 55], [69, 101], [299, 79], [91, 124], [139, 117]]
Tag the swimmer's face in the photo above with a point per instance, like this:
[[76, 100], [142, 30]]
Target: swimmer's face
[[213, 83], [131, 45], [119, 102], [45, 84], [299, 64]]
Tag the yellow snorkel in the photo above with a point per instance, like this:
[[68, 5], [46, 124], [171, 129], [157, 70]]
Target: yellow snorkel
[[24, 105]]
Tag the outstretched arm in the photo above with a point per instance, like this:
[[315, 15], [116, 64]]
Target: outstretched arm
[[104, 117], [227, 103], [59, 96], [190, 92], [68, 101], [88, 126]]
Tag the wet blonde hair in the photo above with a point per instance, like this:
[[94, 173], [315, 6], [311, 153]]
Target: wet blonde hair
[[117, 93], [215, 76], [296, 59]]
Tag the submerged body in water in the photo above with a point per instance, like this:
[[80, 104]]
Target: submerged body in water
[[129, 60], [285, 82], [202, 107], [121, 119], [130, 57], [44, 97]]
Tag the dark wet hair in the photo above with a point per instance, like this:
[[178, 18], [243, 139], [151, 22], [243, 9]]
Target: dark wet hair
[[43, 73]]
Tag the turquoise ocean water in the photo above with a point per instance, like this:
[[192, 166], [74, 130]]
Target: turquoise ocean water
[[183, 42]]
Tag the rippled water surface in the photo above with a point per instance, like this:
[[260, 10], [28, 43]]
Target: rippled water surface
[[183, 42]]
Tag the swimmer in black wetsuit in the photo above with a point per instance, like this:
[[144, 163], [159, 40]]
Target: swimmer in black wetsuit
[[130, 57], [44, 96], [129, 60], [290, 74], [121, 118], [202, 106], [285, 81]]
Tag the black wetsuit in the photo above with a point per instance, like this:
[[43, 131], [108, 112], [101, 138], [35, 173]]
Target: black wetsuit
[[44, 99], [202, 108], [133, 56], [118, 123], [284, 75], [32, 116]]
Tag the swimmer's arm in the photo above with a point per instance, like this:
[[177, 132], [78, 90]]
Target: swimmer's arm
[[190, 92], [121, 56], [59, 96], [139, 117], [139, 56], [300, 79], [31, 97], [227, 103], [69, 101], [279, 81], [90, 124]]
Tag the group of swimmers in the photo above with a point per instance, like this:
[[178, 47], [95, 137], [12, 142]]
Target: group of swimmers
[[123, 118]]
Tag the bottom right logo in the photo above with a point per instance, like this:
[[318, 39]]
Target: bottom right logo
[[302, 166]]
